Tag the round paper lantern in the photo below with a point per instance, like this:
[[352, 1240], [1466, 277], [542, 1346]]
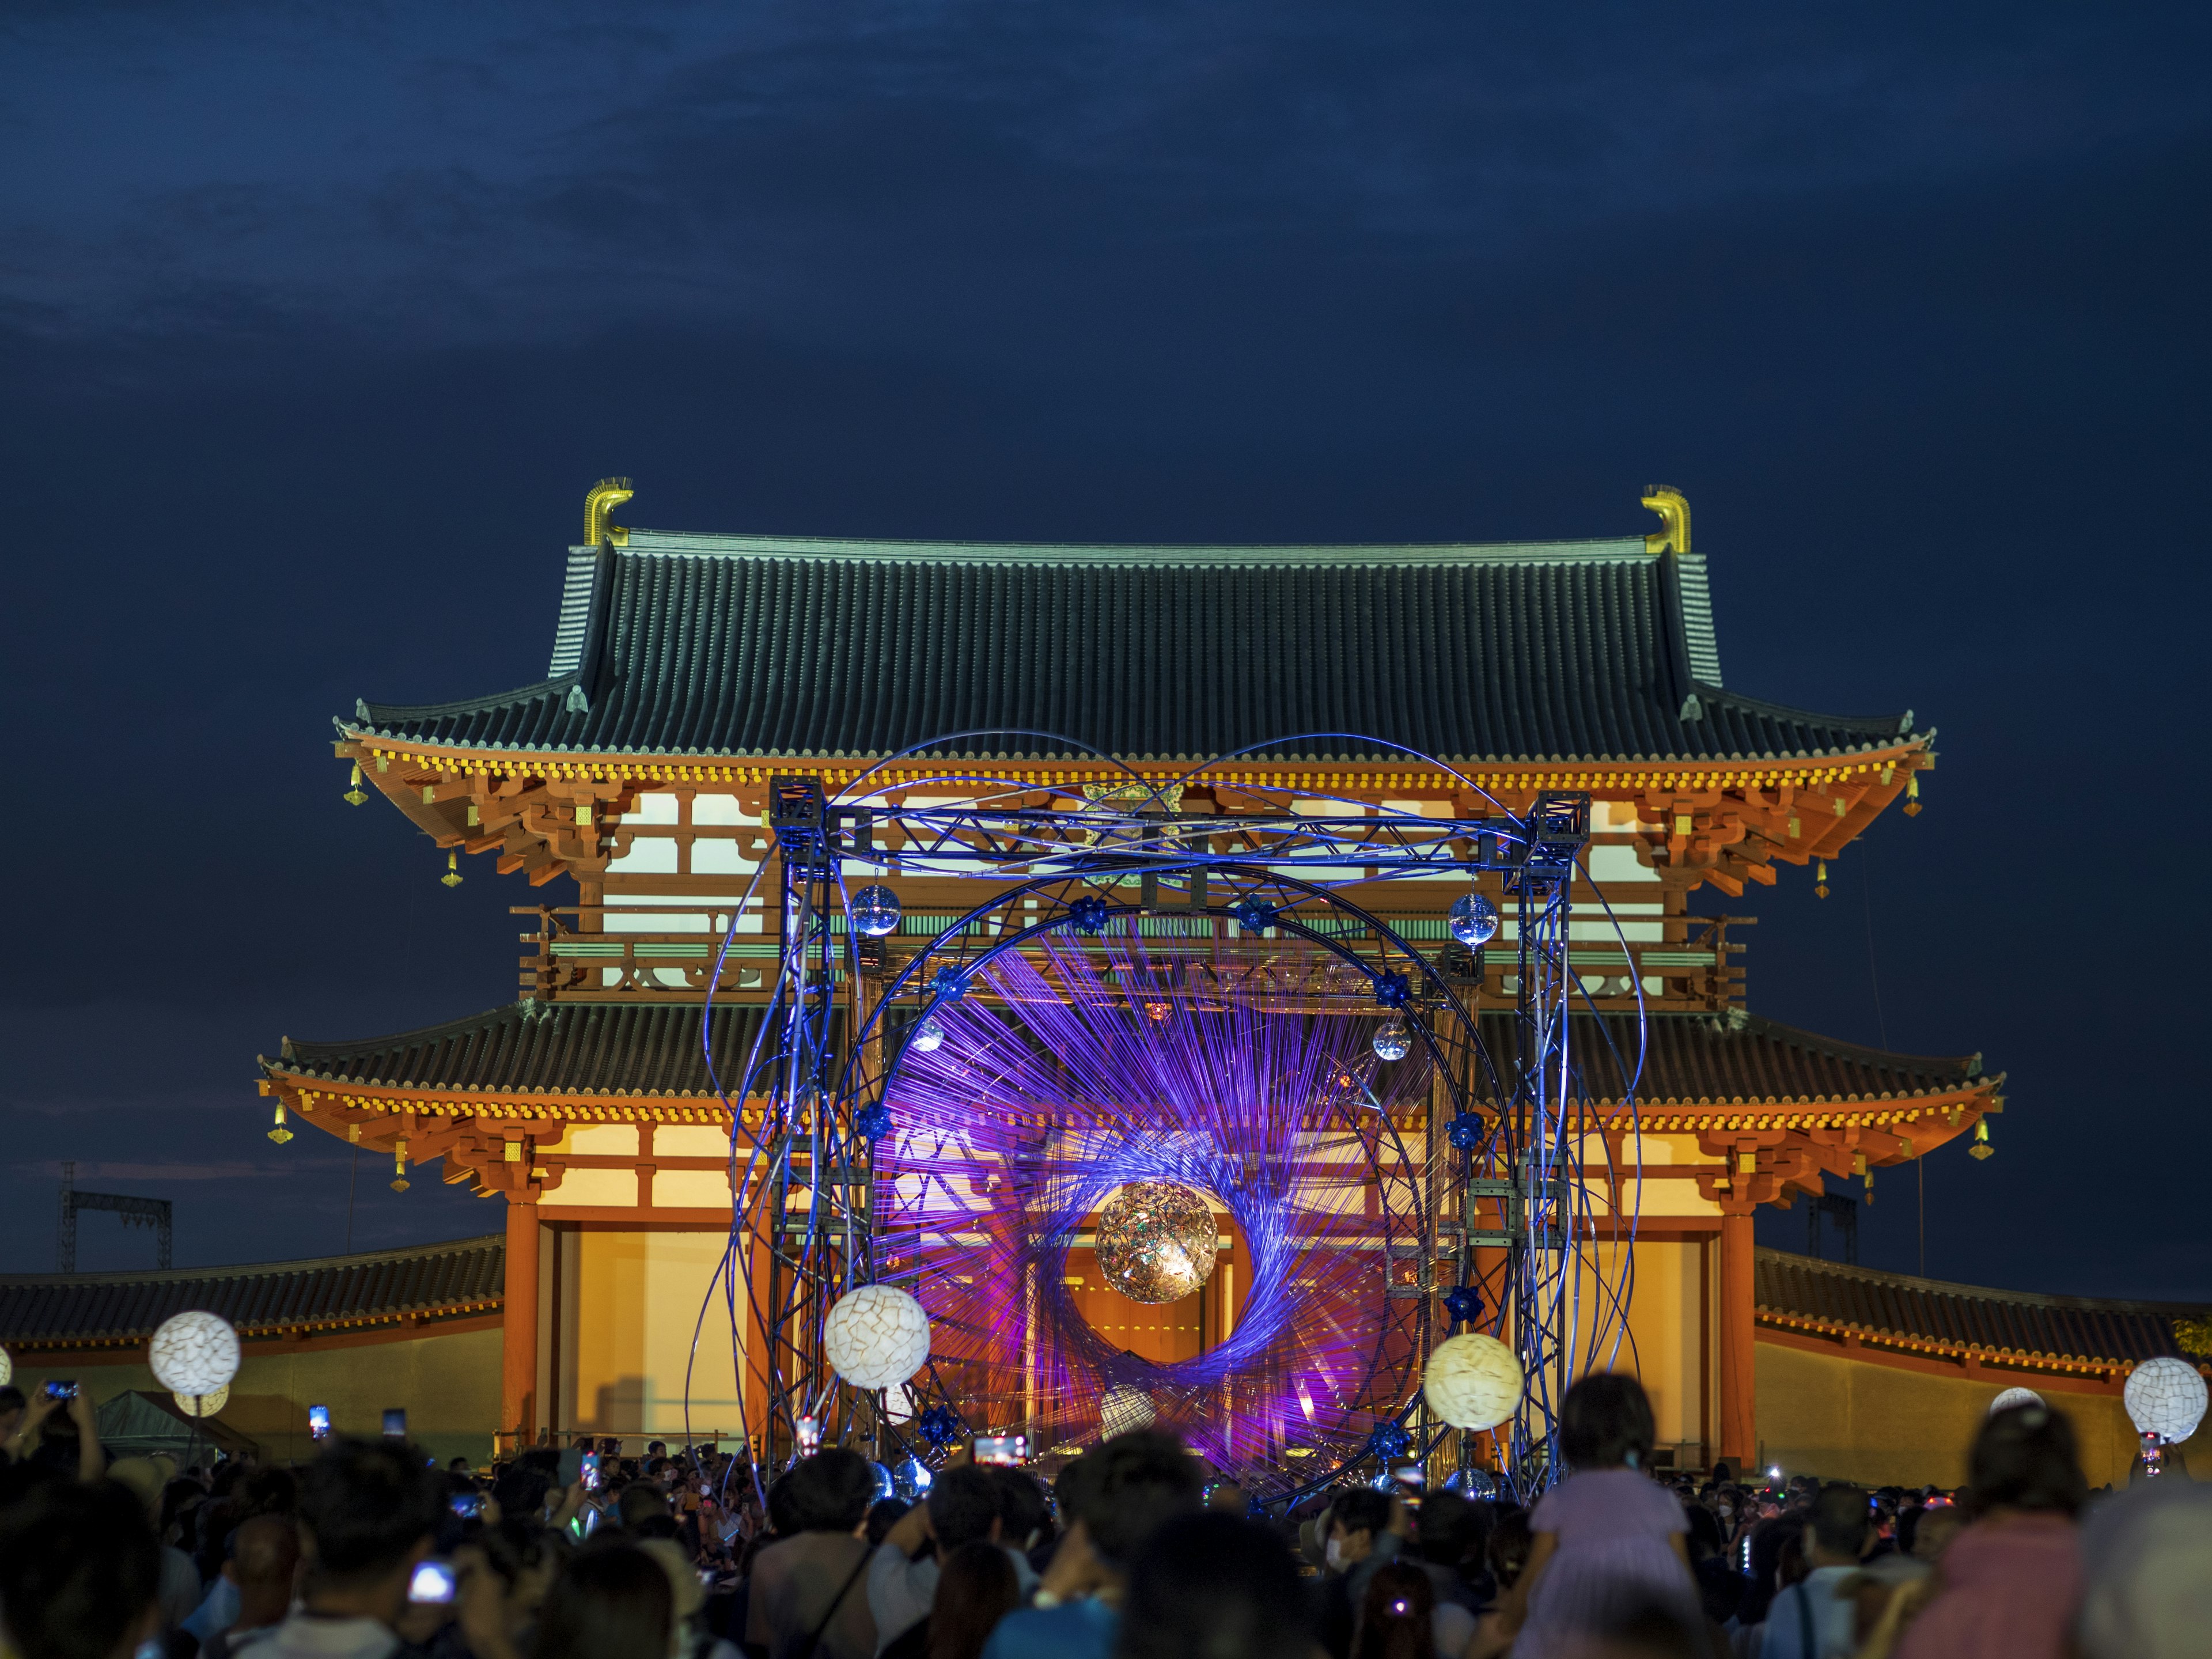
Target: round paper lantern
[[1123, 1410], [1156, 1242], [2011, 1397], [2165, 1397], [6, 1368], [202, 1405], [195, 1353], [876, 1336], [1473, 1381]]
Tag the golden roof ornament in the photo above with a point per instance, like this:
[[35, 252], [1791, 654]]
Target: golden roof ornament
[[1672, 535], [603, 498]]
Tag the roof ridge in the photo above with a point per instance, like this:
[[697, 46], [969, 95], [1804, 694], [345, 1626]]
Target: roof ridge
[[856, 550], [1840, 1047], [1988, 1293], [262, 1269], [303, 1049]]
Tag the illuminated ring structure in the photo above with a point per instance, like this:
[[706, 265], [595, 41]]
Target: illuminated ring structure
[[1109, 1060]]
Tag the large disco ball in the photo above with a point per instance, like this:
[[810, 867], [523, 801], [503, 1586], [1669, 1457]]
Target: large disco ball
[[2011, 1397], [194, 1353], [876, 1336], [1124, 1410], [2165, 1397], [1156, 1242], [1473, 1381], [1392, 1041]]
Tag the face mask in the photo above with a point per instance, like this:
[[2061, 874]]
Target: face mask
[[1336, 1555]]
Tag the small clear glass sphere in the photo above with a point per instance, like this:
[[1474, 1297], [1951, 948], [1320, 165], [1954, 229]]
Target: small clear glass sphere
[[875, 911], [1392, 1040], [927, 1036], [1474, 920]]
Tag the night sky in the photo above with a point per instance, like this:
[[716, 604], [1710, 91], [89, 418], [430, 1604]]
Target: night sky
[[316, 323]]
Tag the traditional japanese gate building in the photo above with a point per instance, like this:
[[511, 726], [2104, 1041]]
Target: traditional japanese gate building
[[688, 670]]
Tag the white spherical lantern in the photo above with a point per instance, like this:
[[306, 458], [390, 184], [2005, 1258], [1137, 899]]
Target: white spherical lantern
[[195, 1353], [1124, 1410], [1473, 1381], [876, 1336], [2011, 1397], [202, 1405], [6, 1368], [2165, 1397]]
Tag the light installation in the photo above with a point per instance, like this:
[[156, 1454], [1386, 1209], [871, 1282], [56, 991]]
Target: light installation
[[1146, 995]]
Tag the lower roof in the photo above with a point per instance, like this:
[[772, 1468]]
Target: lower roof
[[654, 1049], [447, 1280], [1929, 1314]]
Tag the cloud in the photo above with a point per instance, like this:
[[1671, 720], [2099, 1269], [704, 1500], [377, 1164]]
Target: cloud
[[435, 177]]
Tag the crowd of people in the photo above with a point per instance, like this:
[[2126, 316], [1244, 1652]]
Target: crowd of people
[[1133, 1551]]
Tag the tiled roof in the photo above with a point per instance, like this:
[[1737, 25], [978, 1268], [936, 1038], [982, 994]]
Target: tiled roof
[[1720, 1060], [1929, 1314], [435, 1281], [762, 645], [653, 1049], [550, 1048]]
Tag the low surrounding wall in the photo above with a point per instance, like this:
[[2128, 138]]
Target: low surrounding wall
[[1883, 1425], [448, 1383]]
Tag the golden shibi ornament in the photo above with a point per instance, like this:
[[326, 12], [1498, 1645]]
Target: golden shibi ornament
[[1156, 1242]]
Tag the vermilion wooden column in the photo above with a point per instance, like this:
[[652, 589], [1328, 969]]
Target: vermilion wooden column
[[518, 1369], [1739, 1383]]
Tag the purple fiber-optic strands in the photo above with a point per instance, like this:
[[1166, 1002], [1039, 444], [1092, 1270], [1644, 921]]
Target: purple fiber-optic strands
[[1098, 1069]]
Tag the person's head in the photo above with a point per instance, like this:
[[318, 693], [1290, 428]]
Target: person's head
[[1452, 1529], [609, 1601], [265, 1560], [1510, 1541], [12, 1405], [1131, 1488], [1933, 1532], [1356, 1518], [883, 1515], [79, 1569], [1724, 1472], [1705, 1538], [964, 1507], [1643, 1630], [782, 1507], [521, 1492], [523, 1556], [2023, 1458], [1396, 1617], [1024, 1516], [2147, 1572], [831, 1490], [1836, 1526], [656, 1449], [641, 1501], [975, 1588], [457, 1465], [1214, 1584], [1605, 1422], [367, 1511]]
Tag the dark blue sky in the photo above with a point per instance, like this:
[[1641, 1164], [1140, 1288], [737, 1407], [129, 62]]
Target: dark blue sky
[[315, 324]]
